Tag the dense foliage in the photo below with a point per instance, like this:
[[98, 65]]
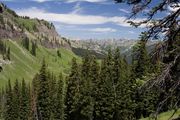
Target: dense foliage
[[92, 91]]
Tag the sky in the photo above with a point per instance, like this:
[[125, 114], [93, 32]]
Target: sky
[[82, 19]]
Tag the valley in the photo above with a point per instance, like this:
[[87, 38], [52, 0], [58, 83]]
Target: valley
[[68, 64]]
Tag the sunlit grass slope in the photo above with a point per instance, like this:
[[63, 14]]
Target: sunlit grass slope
[[165, 116], [24, 65]]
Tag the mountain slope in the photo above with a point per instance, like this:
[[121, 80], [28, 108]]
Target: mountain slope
[[14, 30], [17, 27], [165, 116], [24, 65]]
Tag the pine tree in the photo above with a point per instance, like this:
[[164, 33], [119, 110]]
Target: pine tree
[[8, 54], [24, 104], [33, 98], [104, 107], [2, 103], [59, 111], [33, 49], [16, 101], [43, 99], [9, 114], [58, 53], [73, 93], [89, 78], [117, 83], [25, 43], [93, 79], [140, 58], [52, 93]]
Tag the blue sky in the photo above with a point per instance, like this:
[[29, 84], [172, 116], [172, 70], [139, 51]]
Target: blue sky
[[82, 19]]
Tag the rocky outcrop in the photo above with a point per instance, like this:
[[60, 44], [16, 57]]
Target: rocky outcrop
[[17, 27], [12, 34]]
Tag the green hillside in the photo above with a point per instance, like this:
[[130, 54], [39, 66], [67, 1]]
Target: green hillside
[[25, 65], [165, 116]]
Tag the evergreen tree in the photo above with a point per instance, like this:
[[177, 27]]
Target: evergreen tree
[[33, 98], [52, 93], [2, 47], [140, 58], [58, 53], [33, 49], [24, 104], [73, 93], [43, 99], [59, 111], [2, 103], [93, 79], [25, 43], [9, 113], [8, 54], [117, 82], [89, 78], [16, 101], [121, 88], [104, 107]]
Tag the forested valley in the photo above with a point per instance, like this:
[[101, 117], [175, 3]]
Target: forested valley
[[111, 89], [48, 81]]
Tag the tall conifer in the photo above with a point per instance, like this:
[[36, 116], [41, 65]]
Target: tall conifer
[[43, 94], [24, 104], [73, 93]]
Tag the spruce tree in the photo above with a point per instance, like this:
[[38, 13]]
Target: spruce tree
[[8, 54], [25, 43], [2, 103], [104, 107], [9, 114], [58, 53], [24, 104], [33, 49], [140, 58], [89, 78], [93, 79], [33, 98], [52, 93], [59, 108], [16, 100], [43, 99], [117, 83], [73, 93]]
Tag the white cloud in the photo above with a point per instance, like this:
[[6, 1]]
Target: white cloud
[[102, 30], [73, 19], [124, 10]]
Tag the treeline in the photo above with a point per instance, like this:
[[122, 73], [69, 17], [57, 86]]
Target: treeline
[[4, 51], [92, 91]]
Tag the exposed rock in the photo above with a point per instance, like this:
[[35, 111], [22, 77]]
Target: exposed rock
[[17, 27], [5, 34]]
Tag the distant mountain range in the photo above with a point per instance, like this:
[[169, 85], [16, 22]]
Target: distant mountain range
[[100, 47]]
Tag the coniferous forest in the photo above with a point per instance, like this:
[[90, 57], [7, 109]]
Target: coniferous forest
[[110, 88]]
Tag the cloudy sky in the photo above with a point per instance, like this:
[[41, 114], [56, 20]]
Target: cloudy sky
[[82, 19]]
